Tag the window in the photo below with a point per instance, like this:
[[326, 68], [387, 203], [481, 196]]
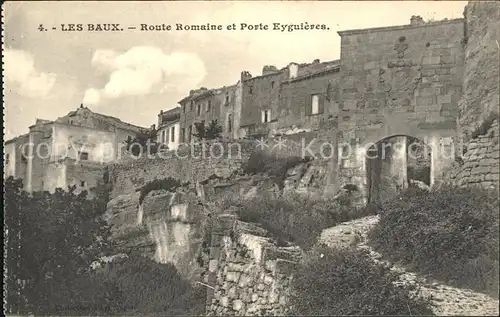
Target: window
[[172, 135], [84, 156], [24, 159], [266, 116], [227, 99], [82, 183], [191, 106], [272, 84], [229, 122], [250, 90], [190, 131], [184, 108], [183, 135], [198, 110], [315, 104], [209, 106], [6, 159], [166, 135], [163, 136], [70, 121]]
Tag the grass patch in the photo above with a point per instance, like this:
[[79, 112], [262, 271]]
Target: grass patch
[[347, 282], [450, 234]]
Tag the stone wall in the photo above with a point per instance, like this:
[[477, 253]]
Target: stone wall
[[481, 74], [191, 163], [480, 165], [248, 274]]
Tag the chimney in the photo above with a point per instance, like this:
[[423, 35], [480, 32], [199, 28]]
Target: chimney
[[416, 20], [245, 75], [269, 69], [293, 70]]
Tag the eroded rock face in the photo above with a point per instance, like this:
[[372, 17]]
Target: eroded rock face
[[165, 227]]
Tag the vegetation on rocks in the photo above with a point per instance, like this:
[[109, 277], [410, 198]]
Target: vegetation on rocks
[[450, 234], [296, 219], [52, 242], [168, 183], [347, 282], [273, 165]]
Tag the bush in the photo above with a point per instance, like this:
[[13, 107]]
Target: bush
[[451, 234], [168, 183], [149, 287], [210, 132], [347, 282], [273, 165], [297, 219]]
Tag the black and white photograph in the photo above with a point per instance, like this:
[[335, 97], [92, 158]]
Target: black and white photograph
[[251, 158]]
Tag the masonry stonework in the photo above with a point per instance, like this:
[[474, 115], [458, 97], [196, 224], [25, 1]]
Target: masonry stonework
[[249, 274], [480, 165]]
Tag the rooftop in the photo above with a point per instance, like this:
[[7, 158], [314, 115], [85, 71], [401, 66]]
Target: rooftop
[[400, 27]]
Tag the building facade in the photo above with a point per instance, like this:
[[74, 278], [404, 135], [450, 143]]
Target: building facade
[[206, 105], [169, 130], [70, 151]]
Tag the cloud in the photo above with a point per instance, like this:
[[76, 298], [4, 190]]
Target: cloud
[[19, 70], [92, 96], [143, 70]]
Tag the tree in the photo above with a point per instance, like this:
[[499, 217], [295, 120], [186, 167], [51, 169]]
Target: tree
[[51, 241], [210, 132], [142, 143]]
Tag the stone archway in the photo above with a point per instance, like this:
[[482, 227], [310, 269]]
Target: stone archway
[[391, 164]]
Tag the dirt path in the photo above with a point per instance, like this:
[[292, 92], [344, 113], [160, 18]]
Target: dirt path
[[447, 300]]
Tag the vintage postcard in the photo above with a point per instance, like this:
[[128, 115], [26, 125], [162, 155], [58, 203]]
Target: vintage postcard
[[244, 158]]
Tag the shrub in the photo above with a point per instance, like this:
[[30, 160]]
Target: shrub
[[297, 219], [210, 132], [273, 165], [149, 287], [347, 282], [168, 183], [451, 234]]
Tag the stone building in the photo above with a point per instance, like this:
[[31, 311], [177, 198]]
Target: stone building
[[205, 105], [70, 151], [169, 130], [294, 97], [297, 96]]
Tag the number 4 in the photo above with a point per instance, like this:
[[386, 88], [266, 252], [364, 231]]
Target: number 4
[[41, 28]]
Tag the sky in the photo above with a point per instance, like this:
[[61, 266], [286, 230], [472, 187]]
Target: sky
[[134, 74]]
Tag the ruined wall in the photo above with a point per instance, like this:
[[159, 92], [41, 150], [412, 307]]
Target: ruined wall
[[249, 274], [191, 163], [100, 145], [480, 165], [481, 74]]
